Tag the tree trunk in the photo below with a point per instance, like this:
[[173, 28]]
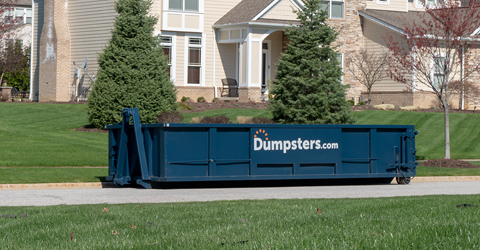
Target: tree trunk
[[447, 130]]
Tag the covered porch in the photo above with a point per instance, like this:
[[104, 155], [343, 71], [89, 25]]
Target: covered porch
[[249, 53]]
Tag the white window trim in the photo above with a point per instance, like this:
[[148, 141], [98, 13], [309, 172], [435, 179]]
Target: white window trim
[[166, 7], [386, 2], [24, 16], [202, 59], [330, 9], [342, 58], [432, 66], [173, 68]]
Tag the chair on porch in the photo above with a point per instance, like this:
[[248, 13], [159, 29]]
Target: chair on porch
[[229, 88]]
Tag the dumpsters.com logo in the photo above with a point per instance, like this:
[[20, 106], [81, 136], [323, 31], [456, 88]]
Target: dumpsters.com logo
[[261, 142]]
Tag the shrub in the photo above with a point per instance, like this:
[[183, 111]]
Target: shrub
[[201, 99], [361, 103], [215, 119], [170, 117], [184, 106], [216, 100], [262, 120], [186, 99], [352, 102], [133, 69]]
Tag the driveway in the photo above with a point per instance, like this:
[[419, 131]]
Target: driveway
[[134, 195]]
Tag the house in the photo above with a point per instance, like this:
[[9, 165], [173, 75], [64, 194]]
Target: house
[[20, 15], [207, 41]]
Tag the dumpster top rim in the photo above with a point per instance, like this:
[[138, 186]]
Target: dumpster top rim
[[215, 125]]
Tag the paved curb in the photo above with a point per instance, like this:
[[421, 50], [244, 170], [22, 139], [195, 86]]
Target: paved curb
[[98, 185], [83, 185]]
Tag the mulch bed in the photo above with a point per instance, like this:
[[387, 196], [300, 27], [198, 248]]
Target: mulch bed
[[448, 163]]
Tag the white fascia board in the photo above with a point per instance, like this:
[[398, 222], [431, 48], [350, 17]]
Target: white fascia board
[[382, 23], [267, 9], [475, 32], [253, 24]]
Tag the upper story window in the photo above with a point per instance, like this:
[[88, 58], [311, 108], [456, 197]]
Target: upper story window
[[334, 8], [184, 5], [18, 15], [429, 3]]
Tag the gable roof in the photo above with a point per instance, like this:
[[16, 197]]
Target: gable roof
[[396, 20], [247, 11]]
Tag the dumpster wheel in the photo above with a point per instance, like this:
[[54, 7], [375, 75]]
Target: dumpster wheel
[[403, 180]]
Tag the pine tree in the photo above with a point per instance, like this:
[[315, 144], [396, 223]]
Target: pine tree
[[308, 87], [133, 69]]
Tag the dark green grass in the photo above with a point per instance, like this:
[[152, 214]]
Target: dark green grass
[[39, 134], [27, 175], [464, 131], [431, 222], [436, 171]]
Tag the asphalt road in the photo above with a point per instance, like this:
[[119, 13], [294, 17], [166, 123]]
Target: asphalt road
[[135, 195]]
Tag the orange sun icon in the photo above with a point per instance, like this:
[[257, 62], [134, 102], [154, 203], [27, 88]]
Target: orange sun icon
[[259, 132]]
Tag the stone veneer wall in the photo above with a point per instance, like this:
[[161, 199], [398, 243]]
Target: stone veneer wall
[[195, 92], [54, 61], [427, 100], [400, 99], [350, 41], [249, 94]]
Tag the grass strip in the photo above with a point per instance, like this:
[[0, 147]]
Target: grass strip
[[29, 175], [429, 222], [436, 171]]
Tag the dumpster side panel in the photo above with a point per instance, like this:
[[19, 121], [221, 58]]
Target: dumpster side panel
[[186, 152], [232, 156], [356, 157], [287, 152]]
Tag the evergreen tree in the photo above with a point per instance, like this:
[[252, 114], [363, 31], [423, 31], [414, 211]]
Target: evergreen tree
[[133, 69], [308, 87]]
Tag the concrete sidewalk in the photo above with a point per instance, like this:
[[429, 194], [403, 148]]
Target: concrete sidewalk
[[97, 185]]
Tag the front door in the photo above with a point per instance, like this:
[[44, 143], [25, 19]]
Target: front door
[[265, 65]]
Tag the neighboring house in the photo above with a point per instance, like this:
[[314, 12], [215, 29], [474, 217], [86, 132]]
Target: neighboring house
[[207, 41], [20, 15]]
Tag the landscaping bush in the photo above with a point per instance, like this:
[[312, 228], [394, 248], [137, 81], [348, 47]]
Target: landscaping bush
[[185, 106], [216, 100], [352, 102], [215, 119], [170, 117], [133, 69], [185, 99], [361, 103], [262, 120], [201, 99]]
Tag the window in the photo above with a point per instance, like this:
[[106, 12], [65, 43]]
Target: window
[[438, 71], [430, 3], [334, 8], [383, 1], [183, 5], [167, 45], [194, 60], [18, 15]]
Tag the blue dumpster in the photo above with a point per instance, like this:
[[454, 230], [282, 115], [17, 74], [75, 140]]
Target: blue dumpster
[[145, 153]]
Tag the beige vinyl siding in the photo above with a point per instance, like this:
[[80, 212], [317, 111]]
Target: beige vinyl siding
[[214, 10], [275, 52], [227, 61], [157, 10], [90, 23], [180, 77], [374, 41], [393, 5], [37, 30], [282, 10]]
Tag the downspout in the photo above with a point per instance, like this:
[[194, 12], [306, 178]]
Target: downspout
[[30, 96], [213, 69]]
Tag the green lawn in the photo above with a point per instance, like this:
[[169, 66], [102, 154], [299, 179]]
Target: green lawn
[[429, 222], [41, 134], [27, 175], [465, 139]]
